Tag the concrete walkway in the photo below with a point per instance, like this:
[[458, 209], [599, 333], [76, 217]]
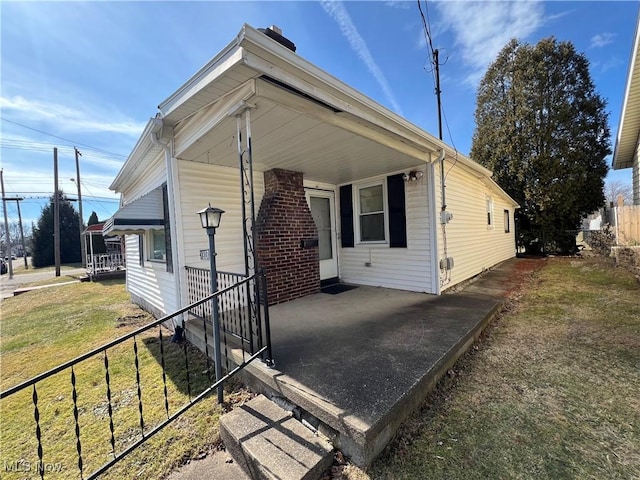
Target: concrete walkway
[[8, 286], [363, 360]]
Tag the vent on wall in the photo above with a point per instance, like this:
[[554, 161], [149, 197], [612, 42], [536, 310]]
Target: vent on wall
[[275, 33]]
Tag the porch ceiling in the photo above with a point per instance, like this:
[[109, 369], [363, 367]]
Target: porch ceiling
[[296, 137]]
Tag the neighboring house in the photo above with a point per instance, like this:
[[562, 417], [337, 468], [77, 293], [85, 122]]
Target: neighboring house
[[102, 256], [341, 188], [627, 150]]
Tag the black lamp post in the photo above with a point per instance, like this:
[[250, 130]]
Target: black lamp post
[[210, 220]]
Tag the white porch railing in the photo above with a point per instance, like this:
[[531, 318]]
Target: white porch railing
[[105, 262]]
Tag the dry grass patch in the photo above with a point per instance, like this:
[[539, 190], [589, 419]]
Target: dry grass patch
[[550, 390], [40, 330]]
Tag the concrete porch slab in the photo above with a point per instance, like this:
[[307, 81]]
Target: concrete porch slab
[[363, 360]]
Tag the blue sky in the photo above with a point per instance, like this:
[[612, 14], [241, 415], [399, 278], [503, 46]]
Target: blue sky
[[91, 74]]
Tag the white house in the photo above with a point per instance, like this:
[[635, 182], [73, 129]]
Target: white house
[[326, 184], [627, 149]]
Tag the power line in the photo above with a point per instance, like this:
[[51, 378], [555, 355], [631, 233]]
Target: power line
[[31, 196], [62, 138], [97, 201]]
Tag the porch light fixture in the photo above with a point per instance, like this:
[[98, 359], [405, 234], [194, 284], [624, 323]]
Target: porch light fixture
[[412, 176], [210, 220], [210, 217]]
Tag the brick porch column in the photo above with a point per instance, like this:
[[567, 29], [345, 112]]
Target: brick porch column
[[283, 226]]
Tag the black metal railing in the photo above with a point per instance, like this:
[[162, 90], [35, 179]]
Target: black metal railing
[[114, 352], [243, 312]]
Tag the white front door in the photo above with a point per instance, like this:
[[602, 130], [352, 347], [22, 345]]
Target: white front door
[[321, 204]]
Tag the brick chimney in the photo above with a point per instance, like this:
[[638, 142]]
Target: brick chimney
[[287, 238]]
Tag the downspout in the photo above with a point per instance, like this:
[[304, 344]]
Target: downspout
[[156, 135], [440, 160], [444, 219], [435, 255], [433, 224]]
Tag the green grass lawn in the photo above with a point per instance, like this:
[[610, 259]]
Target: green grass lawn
[[551, 391], [44, 328]]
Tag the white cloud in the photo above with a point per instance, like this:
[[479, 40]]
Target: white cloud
[[482, 29], [602, 39], [401, 4], [340, 15], [67, 118]]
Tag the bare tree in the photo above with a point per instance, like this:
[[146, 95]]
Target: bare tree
[[615, 188]]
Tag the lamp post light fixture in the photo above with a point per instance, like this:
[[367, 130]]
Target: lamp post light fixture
[[210, 220]]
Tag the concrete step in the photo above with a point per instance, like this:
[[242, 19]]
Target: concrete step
[[269, 443]]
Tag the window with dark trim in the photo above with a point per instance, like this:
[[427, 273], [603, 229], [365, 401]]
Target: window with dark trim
[[378, 209], [507, 226], [159, 241]]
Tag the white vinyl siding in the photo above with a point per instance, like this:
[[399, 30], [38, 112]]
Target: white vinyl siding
[[151, 280], [473, 246], [201, 184], [402, 268], [152, 177]]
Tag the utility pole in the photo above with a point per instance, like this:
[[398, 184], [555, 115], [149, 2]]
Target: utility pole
[[83, 252], [6, 226], [436, 60], [18, 200], [56, 213], [24, 248]]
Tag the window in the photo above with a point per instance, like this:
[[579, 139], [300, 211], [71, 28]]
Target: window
[[141, 250], [374, 213], [371, 211], [489, 212], [506, 222], [158, 246]]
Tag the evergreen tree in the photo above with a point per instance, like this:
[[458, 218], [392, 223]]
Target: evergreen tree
[[98, 240], [543, 130], [43, 241]]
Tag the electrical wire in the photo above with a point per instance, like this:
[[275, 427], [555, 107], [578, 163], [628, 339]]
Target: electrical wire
[[99, 202], [73, 142]]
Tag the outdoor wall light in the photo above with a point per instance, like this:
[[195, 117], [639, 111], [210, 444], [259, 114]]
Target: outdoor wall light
[[412, 176]]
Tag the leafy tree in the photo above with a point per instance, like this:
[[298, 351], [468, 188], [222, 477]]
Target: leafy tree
[[43, 241], [98, 240], [543, 130]]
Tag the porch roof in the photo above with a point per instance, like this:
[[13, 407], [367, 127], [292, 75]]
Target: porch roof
[[302, 119]]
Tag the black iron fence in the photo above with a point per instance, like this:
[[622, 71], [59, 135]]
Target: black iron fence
[[242, 311], [148, 343]]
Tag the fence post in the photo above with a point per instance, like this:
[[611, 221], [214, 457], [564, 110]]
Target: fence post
[[267, 326]]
